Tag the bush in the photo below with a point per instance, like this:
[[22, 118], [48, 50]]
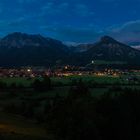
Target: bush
[[3, 85], [42, 85]]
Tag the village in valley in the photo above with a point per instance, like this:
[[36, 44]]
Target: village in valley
[[67, 71]]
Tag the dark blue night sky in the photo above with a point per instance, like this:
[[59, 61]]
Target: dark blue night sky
[[72, 20]]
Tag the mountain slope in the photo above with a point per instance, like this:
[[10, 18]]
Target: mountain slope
[[109, 49], [19, 49]]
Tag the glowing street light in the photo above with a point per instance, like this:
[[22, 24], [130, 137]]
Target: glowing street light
[[28, 70], [92, 62]]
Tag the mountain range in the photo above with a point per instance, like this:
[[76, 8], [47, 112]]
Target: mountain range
[[20, 49]]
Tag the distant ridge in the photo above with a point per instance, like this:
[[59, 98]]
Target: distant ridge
[[20, 49]]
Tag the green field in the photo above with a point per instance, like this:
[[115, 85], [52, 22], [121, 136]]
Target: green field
[[107, 79], [18, 81], [86, 78], [64, 80]]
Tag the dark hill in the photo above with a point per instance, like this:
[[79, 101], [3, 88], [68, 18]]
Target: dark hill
[[108, 49], [20, 49]]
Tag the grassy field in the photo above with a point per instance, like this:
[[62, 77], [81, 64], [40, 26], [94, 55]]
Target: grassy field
[[18, 81], [106, 79], [64, 80], [88, 78]]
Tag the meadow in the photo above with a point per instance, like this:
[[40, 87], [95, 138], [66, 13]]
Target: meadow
[[66, 80]]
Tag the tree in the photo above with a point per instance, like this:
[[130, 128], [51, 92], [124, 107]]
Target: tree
[[42, 85]]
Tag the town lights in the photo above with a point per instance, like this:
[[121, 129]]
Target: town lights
[[28, 70], [66, 67], [92, 62]]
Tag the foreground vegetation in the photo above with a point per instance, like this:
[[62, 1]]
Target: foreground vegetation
[[70, 108]]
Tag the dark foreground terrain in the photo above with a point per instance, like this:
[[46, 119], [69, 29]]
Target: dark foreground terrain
[[70, 108]]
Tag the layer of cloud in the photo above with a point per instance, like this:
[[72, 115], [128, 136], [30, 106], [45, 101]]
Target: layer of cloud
[[128, 32], [67, 20]]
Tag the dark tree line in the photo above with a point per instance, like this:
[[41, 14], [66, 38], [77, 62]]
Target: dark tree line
[[42, 85], [81, 116]]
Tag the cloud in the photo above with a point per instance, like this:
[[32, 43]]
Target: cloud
[[68, 20], [128, 32]]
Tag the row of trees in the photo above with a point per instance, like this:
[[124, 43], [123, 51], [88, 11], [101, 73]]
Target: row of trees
[[84, 117], [42, 85]]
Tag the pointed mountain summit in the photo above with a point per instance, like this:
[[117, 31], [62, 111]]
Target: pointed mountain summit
[[111, 50], [104, 40], [107, 39]]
